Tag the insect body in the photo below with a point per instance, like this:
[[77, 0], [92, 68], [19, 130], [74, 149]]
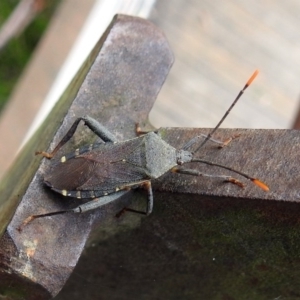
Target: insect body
[[104, 171], [106, 168]]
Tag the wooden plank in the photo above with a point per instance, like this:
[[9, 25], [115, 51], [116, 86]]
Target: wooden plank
[[217, 45]]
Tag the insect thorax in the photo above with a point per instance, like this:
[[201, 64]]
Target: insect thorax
[[160, 156]]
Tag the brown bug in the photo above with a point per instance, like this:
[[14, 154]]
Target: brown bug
[[104, 171]]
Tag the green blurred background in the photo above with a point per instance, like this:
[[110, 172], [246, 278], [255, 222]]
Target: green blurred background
[[15, 55]]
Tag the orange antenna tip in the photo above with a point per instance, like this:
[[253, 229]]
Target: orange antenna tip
[[252, 77], [262, 185]]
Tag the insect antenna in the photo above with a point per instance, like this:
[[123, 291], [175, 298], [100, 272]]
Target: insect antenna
[[209, 136], [256, 181]]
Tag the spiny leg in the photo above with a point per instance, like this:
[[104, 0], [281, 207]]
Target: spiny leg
[[191, 142], [148, 187], [256, 181], [229, 140], [91, 123], [221, 144], [193, 172], [91, 205]]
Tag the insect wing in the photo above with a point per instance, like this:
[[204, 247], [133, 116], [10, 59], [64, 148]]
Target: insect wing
[[102, 169], [70, 174]]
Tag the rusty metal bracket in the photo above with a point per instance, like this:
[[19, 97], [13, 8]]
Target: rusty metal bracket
[[117, 85]]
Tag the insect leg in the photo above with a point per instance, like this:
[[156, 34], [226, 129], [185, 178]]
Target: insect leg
[[140, 131], [98, 202], [146, 184], [99, 129], [193, 172], [93, 204], [91, 123], [148, 187], [221, 144]]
